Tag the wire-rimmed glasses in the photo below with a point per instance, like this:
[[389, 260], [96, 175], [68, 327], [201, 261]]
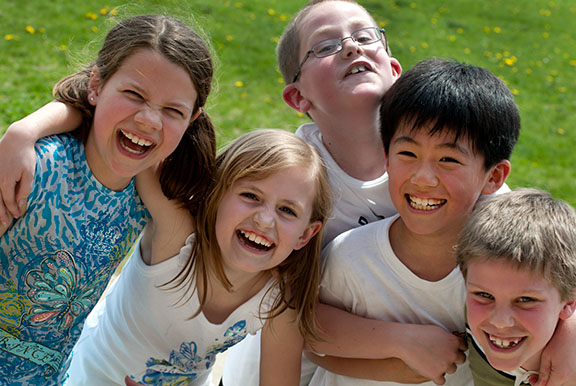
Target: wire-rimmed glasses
[[363, 36]]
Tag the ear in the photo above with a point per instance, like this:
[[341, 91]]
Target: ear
[[94, 86], [568, 309], [294, 98], [311, 231], [396, 68], [496, 177]]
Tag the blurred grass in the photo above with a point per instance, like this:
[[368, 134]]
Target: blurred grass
[[528, 43]]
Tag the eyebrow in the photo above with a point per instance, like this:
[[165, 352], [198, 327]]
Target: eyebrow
[[447, 145], [170, 104], [249, 185]]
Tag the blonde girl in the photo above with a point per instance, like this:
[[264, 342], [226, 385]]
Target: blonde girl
[[251, 261]]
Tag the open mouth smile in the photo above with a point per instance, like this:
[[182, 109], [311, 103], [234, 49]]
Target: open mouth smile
[[134, 144], [425, 204], [505, 343], [254, 241]]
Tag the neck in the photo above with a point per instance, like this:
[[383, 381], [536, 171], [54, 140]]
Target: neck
[[355, 144], [429, 257]]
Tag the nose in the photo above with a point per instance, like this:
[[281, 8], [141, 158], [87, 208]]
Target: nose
[[149, 117], [350, 47], [264, 217], [501, 316], [424, 175]]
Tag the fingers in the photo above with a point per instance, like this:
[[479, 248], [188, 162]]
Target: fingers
[[24, 188], [4, 214], [9, 206]]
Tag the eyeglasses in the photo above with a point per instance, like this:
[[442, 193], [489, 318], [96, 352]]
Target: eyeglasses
[[368, 35]]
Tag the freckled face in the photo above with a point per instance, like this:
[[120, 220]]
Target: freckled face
[[512, 312], [141, 113], [260, 222]]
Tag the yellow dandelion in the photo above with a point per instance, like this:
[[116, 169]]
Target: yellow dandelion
[[382, 24], [510, 61], [550, 78], [229, 38], [103, 11], [31, 30], [560, 131], [434, 21], [545, 35], [244, 95], [413, 5], [42, 30], [94, 29], [63, 47], [452, 38], [488, 54], [239, 83], [238, 4], [573, 62], [424, 45], [545, 12], [10, 37], [91, 16], [280, 80], [299, 114], [275, 39], [460, 30], [467, 51], [113, 12], [499, 55], [412, 49], [487, 30], [267, 100], [562, 89], [515, 91], [528, 71], [271, 12], [497, 30]]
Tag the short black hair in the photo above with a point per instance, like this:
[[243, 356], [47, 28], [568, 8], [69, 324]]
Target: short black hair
[[459, 98]]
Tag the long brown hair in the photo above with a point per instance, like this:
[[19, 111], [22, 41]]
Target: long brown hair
[[186, 171]]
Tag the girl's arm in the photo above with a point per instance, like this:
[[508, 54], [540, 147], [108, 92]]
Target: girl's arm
[[18, 158], [281, 351], [558, 361], [430, 350], [391, 369], [170, 225]]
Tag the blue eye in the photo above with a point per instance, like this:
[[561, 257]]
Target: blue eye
[[288, 210]]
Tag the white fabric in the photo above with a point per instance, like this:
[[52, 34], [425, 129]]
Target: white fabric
[[130, 333], [355, 203], [363, 276]]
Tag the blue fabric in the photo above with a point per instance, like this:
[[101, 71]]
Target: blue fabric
[[57, 260]]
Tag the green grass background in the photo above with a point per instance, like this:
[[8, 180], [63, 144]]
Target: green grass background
[[528, 43]]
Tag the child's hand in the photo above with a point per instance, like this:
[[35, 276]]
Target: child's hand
[[433, 352], [130, 382], [558, 361], [18, 160]]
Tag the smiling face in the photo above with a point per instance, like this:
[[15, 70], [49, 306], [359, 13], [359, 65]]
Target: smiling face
[[435, 181], [355, 75], [141, 113], [260, 222], [512, 312]]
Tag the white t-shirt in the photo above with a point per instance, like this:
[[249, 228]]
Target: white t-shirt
[[356, 203], [143, 329], [377, 285]]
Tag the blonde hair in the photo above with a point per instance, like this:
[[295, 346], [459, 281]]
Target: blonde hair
[[288, 49], [257, 155], [528, 227]]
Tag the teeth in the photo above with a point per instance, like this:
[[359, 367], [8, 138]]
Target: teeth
[[358, 69], [425, 203], [501, 343], [256, 239], [136, 140]]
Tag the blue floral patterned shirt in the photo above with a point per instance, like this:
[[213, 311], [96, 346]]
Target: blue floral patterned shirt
[[57, 260]]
